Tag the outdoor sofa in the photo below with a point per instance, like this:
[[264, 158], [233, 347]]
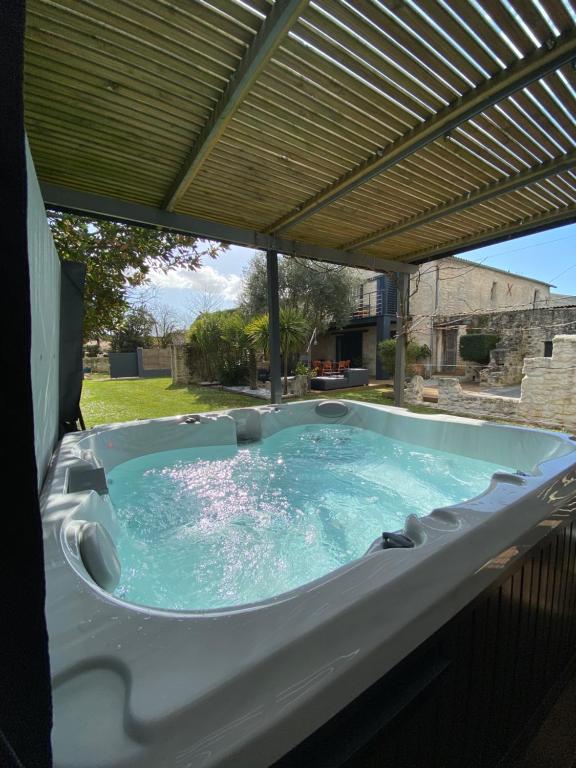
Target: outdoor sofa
[[353, 377]]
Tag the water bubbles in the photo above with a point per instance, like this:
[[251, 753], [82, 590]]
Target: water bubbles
[[215, 526]]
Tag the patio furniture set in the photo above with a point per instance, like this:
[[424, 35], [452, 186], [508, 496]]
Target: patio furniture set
[[337, 375]]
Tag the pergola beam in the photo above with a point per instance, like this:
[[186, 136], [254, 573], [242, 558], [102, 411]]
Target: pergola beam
[[528, 226], [86, 203], [519, 75], [482, 195], [275, 27]]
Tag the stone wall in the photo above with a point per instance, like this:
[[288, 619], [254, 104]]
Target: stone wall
[[523, 334], [548, 393], [549, 385], [454, 286], [453, 399], [179, 364]]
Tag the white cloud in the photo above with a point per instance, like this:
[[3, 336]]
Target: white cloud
[[203, 280]]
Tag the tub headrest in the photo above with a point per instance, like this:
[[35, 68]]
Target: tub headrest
[[333, 409], [98, 553]]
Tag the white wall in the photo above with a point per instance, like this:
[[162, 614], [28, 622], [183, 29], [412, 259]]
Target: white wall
[[45, 309]]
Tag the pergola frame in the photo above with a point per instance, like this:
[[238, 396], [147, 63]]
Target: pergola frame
[[369, 134], [275, 27], [374, 133], [85, 203]]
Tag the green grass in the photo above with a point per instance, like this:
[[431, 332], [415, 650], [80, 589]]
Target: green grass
[[105, 401]]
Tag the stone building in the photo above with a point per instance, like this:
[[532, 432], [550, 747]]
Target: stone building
[[441, 293], [447, 294]]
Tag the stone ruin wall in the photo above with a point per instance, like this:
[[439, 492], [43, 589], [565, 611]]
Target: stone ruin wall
[[522, 335], [548, 392]]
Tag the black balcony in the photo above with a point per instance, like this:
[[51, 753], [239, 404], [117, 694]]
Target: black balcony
[[378, 297]]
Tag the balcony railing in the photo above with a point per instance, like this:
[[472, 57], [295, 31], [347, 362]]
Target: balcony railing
[[381, 301]]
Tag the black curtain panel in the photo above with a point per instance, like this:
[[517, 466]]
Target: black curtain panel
[[25, 701], [73, 275]]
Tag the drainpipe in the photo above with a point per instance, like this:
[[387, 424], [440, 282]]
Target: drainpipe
[[273, 325], [402, 283], [433, 361]]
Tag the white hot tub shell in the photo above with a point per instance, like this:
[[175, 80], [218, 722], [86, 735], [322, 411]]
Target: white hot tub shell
[[147, 688]]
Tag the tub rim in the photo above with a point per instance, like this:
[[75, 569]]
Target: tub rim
[[466, 505]]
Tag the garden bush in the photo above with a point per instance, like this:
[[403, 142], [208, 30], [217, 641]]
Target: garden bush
[[414, 354], [476, 347], [91, 350]]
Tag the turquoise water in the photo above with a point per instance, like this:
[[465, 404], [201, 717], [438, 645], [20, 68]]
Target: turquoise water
[[221, 526]]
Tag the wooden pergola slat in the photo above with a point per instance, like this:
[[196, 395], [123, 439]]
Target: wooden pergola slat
[[532, 224], [511, 80], [508, 184], [392, 127], [281, 18]]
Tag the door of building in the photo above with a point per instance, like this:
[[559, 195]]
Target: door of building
[[349, 347], [450, 350]]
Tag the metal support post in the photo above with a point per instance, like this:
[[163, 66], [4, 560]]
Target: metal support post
[[403, 283], [273, 325]]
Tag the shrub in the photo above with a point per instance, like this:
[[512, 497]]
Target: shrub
[[301, 369], [91, 350], [218, 347], [233, 373], [414, 353], [476, 347], [134, 332]]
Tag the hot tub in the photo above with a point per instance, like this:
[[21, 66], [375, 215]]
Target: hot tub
[[239, 677]]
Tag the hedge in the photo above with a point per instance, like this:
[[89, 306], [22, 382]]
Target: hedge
[[476, 347]]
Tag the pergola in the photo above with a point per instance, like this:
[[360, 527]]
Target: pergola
[[373, 133]]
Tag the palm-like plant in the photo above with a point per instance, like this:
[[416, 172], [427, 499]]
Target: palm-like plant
[[293, 335], [257, 331]]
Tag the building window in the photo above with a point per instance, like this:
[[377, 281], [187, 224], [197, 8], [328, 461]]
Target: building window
[[548, 348], [536, 298]]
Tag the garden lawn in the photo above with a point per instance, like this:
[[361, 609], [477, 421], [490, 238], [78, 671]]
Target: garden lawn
[[105, 401]]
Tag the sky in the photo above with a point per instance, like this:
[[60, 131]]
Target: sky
[[548, 256]]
